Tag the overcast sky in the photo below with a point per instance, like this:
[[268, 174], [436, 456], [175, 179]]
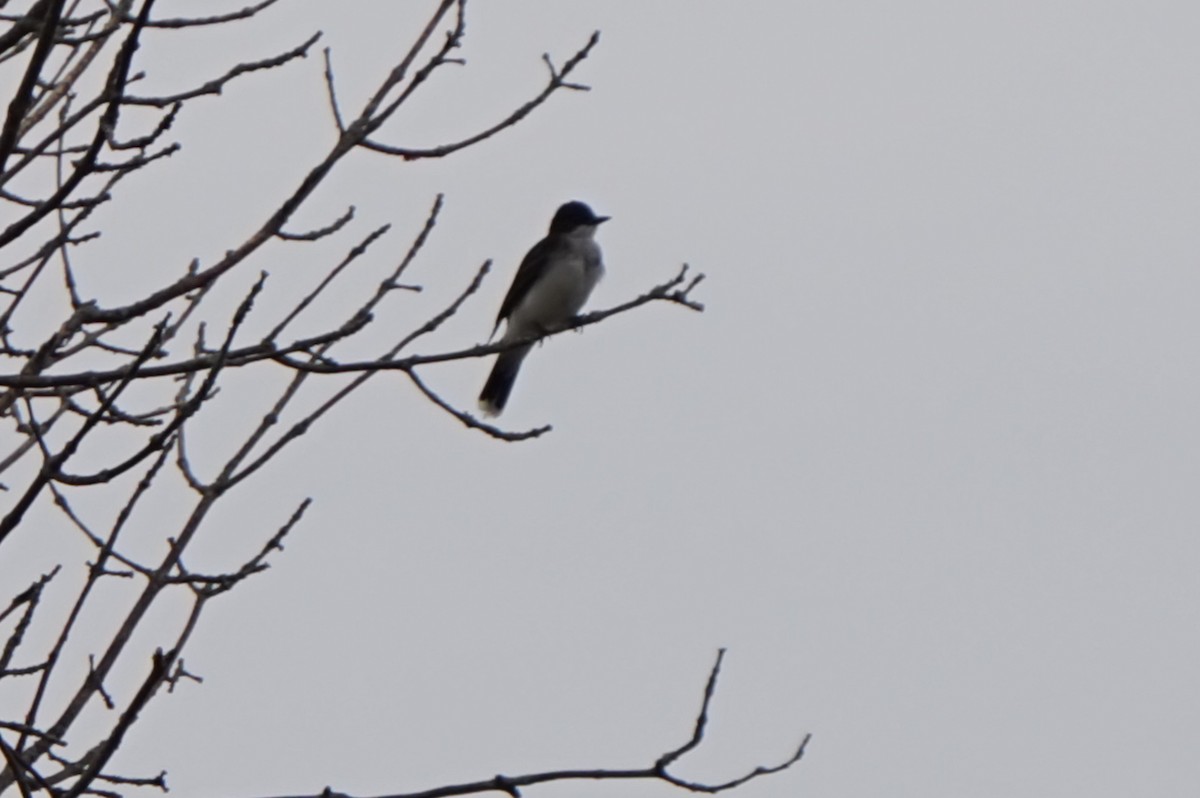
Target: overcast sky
[[927, 465]]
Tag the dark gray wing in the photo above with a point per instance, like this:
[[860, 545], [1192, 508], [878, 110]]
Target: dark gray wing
[[532, 267]]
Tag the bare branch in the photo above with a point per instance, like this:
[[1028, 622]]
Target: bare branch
[[664, 292], [557, 81], [51, 469], [216, 85], [439, 319], [212, 585], [17, 767], [30, 598], [193, 22], [17, 108], [470, 421], [354, 253], [27, 23], [332, 93], [160, 667], [313, 235], [656, 772], [114, 89], [24, 729]]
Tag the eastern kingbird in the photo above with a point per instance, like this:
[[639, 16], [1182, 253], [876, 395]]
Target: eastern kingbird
[[551, 285]]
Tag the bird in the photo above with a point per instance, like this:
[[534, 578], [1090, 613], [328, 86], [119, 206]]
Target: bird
[[552, 283]]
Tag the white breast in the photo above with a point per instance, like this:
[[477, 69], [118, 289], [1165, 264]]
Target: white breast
[[562, 290]]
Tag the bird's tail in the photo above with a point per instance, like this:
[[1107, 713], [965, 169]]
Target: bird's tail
[[499, 383]]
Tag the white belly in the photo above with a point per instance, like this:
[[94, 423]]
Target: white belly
[[557, 297]]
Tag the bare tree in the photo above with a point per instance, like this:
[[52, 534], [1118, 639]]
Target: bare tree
[[110, 396]]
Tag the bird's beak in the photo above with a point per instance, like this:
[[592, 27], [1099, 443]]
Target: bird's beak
[[601, 219]]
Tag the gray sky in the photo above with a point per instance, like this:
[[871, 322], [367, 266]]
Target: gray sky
[[927, 465]]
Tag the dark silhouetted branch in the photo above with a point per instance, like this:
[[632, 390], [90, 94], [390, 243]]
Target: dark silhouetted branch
[[512, 785]]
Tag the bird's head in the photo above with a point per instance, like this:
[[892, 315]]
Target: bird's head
[[574, 215]]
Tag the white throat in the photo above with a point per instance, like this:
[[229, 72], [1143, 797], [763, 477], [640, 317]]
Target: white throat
[[585, 232]]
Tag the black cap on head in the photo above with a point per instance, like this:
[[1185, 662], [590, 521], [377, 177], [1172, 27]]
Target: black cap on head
[[572, 215]]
